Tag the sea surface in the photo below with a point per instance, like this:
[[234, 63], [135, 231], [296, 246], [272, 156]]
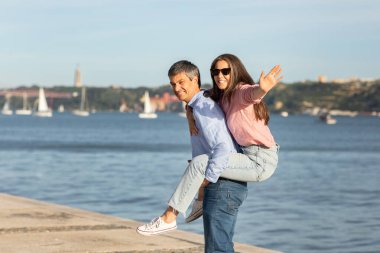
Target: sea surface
[[324, 196]]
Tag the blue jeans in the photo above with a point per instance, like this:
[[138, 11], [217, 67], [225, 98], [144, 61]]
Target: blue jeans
[[220, 208]]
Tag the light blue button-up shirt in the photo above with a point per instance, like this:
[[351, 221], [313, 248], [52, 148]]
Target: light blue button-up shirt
[[213, 136]]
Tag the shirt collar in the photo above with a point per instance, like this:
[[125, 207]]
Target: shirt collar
[[193, 101]]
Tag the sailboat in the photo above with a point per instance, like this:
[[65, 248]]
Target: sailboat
[[61, 108], [43, 110], [7, 108], [82, 110], [183, 113], [148, 110], [327, 118], [284, 114], [25, 107]]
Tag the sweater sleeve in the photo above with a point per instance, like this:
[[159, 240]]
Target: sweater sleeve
[[246, 94]]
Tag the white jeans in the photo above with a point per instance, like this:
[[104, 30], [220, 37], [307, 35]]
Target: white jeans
[[257, 163]]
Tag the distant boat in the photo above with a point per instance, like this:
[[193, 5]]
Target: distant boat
[[25, 106], [7, 108], [61, 108], [83, 111], [123, 107], [43, 110], [327, 118], [183, 113], [148, 110], [284, 114]]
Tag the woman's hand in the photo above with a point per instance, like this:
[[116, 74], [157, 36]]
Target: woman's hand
[[190, 119], [269, 81]]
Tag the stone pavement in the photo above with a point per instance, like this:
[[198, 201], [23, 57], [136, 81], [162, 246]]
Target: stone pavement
[[30, 226]]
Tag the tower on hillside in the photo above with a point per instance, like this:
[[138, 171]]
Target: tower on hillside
[[322, 79], [77, 78]]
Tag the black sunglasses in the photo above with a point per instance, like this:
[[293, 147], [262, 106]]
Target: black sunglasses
[[225, 71]]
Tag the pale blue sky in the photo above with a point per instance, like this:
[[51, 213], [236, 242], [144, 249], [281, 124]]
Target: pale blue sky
[[133, 42]]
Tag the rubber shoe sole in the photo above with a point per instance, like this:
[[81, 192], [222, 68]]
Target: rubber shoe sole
[[155, 232], [194, 216]]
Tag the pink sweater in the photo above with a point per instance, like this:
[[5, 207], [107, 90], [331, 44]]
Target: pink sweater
[[241, 118]]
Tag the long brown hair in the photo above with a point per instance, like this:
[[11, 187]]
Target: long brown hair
[[239, 74]]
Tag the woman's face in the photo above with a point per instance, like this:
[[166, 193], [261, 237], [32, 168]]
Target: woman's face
[[222, 74]]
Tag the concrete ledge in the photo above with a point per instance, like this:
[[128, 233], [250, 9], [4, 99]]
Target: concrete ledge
[[37, 227]]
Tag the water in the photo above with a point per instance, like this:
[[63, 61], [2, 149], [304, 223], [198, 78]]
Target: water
[[324, 197]]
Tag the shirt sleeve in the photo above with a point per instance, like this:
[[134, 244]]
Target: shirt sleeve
[[246, 93], [213, 138], [218, 139]]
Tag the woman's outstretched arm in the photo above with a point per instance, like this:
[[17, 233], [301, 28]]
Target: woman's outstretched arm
[[267, 82]]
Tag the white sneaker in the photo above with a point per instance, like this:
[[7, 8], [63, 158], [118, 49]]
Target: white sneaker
[[156, 226], [196, 211]]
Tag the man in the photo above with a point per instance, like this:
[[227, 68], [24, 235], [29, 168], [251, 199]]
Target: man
[[222, 197]]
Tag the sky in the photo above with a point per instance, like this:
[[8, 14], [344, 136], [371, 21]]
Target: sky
[[133, 43]]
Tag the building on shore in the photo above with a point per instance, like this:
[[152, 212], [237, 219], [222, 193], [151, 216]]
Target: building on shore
[[77, 78]]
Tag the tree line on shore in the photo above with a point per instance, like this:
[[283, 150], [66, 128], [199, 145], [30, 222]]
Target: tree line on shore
[[360, 96]]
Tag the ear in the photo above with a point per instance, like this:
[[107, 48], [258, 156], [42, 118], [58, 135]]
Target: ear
[[195, 80]]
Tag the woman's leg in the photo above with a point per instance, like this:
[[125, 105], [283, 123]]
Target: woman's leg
[[255, 165], [189, 184], [180, 200]]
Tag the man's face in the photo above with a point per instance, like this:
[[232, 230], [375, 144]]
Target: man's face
[[183, 87]]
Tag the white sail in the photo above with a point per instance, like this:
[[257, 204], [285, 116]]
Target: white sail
[[25, 107], [83, 99], [42, 103], [43, 109], [183, 113], [7, 108], [82, 109], [61, 108], [147, 106], [148, 111]]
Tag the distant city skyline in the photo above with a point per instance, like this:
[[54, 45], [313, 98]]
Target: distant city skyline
[[133, 43]]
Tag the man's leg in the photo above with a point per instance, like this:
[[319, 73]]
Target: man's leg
[[220, 208]]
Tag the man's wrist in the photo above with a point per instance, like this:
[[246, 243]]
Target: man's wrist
[[205, 183]]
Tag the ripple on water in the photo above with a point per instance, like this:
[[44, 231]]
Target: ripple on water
[[322, 198]]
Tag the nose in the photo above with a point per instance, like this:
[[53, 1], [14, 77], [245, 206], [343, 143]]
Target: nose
[[176, 87]]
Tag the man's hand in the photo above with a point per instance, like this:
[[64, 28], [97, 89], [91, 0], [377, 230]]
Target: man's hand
[[204, 183], [269, 81]]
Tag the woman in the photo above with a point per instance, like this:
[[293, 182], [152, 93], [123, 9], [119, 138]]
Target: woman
[[247, 119]]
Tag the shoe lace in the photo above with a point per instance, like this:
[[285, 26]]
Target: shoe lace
[[155, 223]]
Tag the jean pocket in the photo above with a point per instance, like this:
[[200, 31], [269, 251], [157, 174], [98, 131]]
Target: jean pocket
[[234, 200], [211, 192]]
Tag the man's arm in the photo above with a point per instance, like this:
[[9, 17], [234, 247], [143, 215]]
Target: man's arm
[[214, 138], [220, 142]]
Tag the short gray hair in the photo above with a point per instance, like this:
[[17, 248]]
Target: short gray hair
[[190, 69]]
